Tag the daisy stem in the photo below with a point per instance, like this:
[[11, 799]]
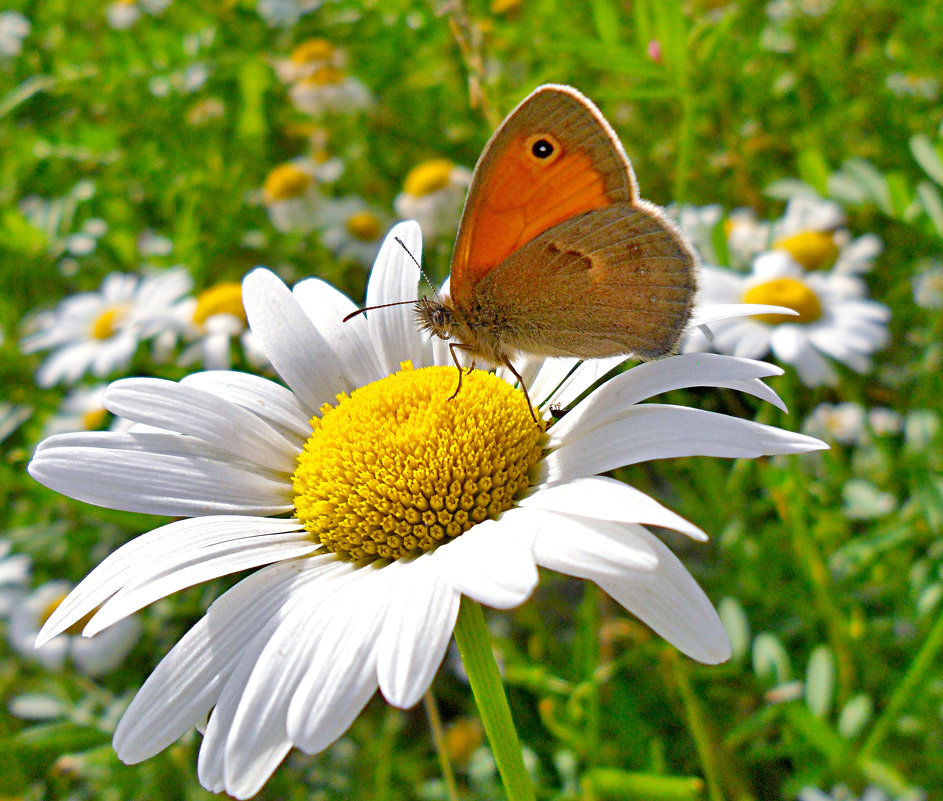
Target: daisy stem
[[438, 738], [474, 645], [914, 682]]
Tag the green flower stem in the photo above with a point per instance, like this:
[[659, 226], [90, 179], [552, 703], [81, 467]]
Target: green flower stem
[[720, 770], [474, 645], [913, 682], [438, 737]]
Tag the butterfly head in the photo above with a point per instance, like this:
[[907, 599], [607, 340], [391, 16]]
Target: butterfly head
[[435, 317]]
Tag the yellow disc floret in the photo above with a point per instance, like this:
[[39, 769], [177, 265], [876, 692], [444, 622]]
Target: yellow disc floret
[[364, 226], [814, 250], [397, 467], [223, 298], [788, 292], [313, 50], [107, 323], [286, 181], [428, 177]]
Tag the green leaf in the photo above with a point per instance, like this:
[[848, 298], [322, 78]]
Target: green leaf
[[929, 196], [814, 170], [872, 181], [604, 783], [606, 19], [927, 156], [820, 681], [255, 76]]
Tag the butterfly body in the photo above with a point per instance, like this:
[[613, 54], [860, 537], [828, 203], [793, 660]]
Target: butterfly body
[[556, 255]]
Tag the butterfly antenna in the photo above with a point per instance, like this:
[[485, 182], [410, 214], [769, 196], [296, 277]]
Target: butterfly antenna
[[371, 308], [415, 261]]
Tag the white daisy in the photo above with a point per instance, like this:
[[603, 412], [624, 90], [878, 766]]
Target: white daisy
[[433, 194], [835, 318], [352, 231], [292, 198], [99, 332], [329, 89], [377, 501], [209, 323], [308, 57], [14, 577], [14, 28], [83, 409], [91, 656]]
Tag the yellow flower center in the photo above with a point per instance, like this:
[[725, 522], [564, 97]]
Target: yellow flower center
[[399, 467], [95, 419], [428, 177], [324, 76], [223, 298], [284, 182], [364, 225], [788, 292], [107, 323], [313, 50], [76, 628], [814, 250], [505, 6]]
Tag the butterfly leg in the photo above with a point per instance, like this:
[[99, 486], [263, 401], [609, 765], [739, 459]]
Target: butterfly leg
[[520, 381], [453, 346]]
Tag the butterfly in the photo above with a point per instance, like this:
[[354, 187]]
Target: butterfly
[[556, 254]]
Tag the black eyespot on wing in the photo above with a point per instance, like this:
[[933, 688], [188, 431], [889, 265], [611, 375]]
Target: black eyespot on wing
[[542, 148]]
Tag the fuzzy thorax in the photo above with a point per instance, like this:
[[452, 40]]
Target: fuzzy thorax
[[447, 321]]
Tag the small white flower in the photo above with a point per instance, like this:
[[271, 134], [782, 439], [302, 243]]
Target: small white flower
[[329, 89], [83, 409], [842, 422], [92, 656], [292, 198], [928, 286], [352, 231], [376, 502], [209, 323], [99, 332], [123, 14], [835, 318], [14, 28], [14, 577], [433, 194], [285, 13], [308, 57]]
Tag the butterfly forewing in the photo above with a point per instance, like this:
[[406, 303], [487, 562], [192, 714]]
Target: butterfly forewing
[[553, 158]]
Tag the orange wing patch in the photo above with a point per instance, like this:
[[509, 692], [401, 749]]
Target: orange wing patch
[[525, 197]]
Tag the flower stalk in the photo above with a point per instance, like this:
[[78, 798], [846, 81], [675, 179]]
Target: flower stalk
[[474, 645]]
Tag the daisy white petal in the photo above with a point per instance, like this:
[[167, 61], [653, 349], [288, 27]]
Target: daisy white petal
[[284, 332], [146, 557], [654, 431], [343, 676], [395, 278], [188, 410], [191, 677], [671, 602], [266, 399], [606, 499], [156, 473], [418, 626], [589, 549], [654, 378], [471, 568], [327, 308]]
